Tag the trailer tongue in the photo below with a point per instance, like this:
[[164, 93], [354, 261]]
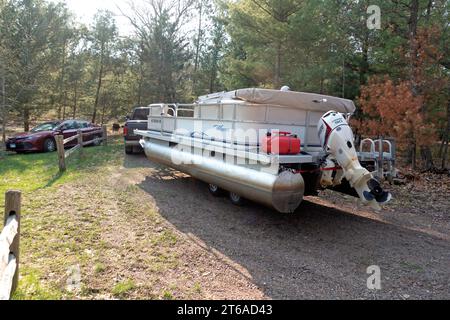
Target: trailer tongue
[[262, 145]]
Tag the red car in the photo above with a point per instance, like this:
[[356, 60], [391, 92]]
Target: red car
[[42, 138]]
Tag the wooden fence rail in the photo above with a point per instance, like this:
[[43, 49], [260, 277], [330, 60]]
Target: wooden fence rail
[[63, 154], [9, 245]]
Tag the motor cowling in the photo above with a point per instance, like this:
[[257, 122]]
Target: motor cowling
[[337, 139]]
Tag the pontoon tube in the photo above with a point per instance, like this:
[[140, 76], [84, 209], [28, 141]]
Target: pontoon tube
[[283, 192]]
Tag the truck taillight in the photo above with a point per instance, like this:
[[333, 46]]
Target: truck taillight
[[125, 131]]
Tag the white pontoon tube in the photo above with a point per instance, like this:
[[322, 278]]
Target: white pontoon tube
[[338, 142]]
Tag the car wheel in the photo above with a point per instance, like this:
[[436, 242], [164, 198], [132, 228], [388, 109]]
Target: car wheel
[[49, 145], [236, 199], [97, 141], [128, 149], [215, 190]]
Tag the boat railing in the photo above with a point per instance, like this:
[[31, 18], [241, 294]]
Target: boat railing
[[169, 116], [382, 153]]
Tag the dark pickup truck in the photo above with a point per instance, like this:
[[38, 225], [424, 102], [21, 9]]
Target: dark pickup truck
[[137, 121]]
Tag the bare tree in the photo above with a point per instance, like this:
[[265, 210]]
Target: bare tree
[[104, 35]]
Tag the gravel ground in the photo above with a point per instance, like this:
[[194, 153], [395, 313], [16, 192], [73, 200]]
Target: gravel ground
[[320, 252]]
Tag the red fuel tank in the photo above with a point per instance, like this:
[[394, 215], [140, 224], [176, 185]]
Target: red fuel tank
[[282, 143]]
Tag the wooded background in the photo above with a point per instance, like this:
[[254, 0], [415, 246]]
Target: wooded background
[[51, 66]]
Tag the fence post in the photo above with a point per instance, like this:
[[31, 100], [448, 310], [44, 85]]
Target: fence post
[[12, 207], [61, 153], [80, 141], [105, 135]]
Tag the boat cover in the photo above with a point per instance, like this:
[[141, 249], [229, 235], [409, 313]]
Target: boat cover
[[301, 100]]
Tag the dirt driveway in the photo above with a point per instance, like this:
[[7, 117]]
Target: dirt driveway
[[321, 252]]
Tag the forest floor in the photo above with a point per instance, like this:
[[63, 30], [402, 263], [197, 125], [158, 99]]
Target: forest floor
[[130, 229]]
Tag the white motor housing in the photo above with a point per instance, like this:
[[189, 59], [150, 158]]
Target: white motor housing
[[337, 140]]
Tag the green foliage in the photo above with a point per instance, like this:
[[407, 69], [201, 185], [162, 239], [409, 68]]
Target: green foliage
[[167, 295], [31, 30], [99, 268], [31, 288], [181, 49], [121, 289]]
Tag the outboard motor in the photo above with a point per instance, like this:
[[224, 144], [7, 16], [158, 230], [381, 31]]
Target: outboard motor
[[337, 140]]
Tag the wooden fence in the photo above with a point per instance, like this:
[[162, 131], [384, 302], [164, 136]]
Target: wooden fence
[[63, 154], [9, 245]]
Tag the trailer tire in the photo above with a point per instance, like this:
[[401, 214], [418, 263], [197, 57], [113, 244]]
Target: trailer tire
[[236, 199], [215, 190]]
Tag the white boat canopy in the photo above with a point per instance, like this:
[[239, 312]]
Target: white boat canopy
[[292, 99]]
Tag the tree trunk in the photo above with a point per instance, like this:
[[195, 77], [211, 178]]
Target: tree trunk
[[26, 119], [427, 157], [61, 82], [322, 84], [4, 120], [413, 45], [103, 109], [99, 86], [425, 150], [277, 76], [140, 85], [4, 113], [64, 106], [364, 66], [413, 156], [343, 78], [197, 49], [213, 74], [75, 100], [444, 157], [446, 137], [59, 111], [212, 80], [141, 73]]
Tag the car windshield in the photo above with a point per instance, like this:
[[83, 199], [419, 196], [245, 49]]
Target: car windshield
[[45, 127]]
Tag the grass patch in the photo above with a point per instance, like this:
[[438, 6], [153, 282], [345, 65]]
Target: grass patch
[[167, 295], [70, 220], [167, 239], [59, 229], [31, 288], [99, 268], [30, 172], [161, 260], [197, 288], [411, 266], [121, 289]]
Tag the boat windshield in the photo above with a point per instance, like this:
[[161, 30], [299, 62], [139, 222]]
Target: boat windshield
[[48, 126]]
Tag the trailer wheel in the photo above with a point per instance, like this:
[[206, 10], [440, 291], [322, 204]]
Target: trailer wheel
[[236, 199], [215, 190]]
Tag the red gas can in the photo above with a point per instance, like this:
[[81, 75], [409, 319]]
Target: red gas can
[[283, 143]]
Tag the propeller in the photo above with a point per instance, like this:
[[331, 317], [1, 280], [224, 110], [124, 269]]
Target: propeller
[[376, 192]]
